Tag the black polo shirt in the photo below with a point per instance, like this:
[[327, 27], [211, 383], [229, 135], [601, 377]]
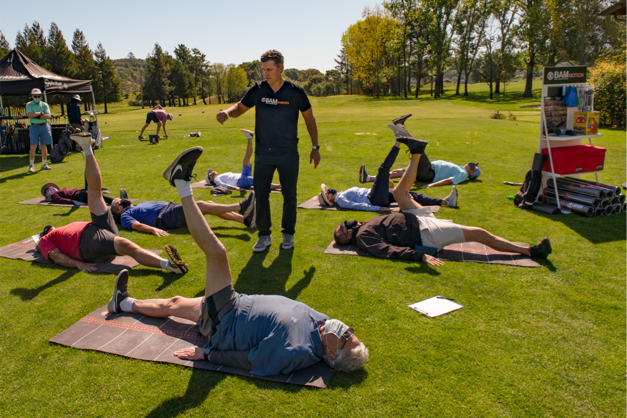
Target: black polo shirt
[[276, 120]]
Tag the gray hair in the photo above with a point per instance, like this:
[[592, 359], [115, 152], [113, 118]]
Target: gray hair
[[349, 360]]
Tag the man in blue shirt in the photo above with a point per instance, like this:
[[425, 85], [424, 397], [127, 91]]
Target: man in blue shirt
[[379, 197], [154, 217], [267, 335], [74, 112], [436, 173]]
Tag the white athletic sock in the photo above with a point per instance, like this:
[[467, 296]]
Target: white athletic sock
[[184, 187], [87, 150], [165, 264], [372, 178], [127, 304], [31, 162]]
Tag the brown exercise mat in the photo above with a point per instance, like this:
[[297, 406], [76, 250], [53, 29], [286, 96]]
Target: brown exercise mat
[[41, 201], [466, 251], [25, 250], [203, 185], [156, 339], [314, 204]]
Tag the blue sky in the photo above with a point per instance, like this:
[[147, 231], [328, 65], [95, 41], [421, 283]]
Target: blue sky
[[307, 33]]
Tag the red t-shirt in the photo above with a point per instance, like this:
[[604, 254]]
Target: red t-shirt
[[65, 238]]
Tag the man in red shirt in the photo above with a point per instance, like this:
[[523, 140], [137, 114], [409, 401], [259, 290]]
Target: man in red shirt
[[83, 244], [160, 117]]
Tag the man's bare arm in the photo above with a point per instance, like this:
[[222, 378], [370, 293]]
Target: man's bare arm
[[40, 115], [437, 184], [64, 260], [312, 128], [140, 227], [235, 111]]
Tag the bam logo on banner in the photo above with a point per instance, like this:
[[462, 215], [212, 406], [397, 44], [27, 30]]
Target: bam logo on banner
[[565, 75]]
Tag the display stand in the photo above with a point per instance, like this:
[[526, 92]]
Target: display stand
[[557, 79]]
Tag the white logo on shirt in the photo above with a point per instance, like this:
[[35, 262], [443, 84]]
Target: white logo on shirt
[[269, 101]]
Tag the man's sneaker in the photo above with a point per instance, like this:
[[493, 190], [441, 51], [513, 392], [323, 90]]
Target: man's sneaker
[[263, 243], [119, 292], [182, 166], [251, 220], [177, 265], [451, 199], [247, 133], [541, 250], [141, 138], [82, 138], [416, 146], [363, 176], [45, 166], [31, 169], [288, 242], [247, 205], [401, 119], [399, 131], [123, 194]]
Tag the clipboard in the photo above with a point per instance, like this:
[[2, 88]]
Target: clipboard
[[436, 306]]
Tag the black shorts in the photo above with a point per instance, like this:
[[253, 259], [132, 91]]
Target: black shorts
[[171, 216], [96, 242], [213, 309], [151, 117]]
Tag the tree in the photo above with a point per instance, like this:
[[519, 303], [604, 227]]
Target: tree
[[253, 70], [84, 59], [58, 56], [344, 68], [505, 13], [442, 14], [4, 45], [219, 73], [198, 66], [469, 29], [236, 83], [32, 43], [534, 25], [181, 80], [106, 78], [156, 83]]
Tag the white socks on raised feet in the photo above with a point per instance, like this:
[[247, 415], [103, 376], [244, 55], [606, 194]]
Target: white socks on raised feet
[[87, 150], [127, 304], [165, 264], [184, 188]]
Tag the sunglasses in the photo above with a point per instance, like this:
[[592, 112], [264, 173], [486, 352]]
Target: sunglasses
[[346, 336], [36, 97]]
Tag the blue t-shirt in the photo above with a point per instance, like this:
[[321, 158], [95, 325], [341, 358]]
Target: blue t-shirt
[[145, 213], [445, 170], [281, 334]]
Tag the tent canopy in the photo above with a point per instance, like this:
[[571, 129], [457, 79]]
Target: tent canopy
[[19, 75]]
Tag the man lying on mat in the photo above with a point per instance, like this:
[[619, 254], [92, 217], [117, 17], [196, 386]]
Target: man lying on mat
[[71, 196], [82, 244], [265, 334], [437, 173], [237, 180], [379, 196], [397, 235], [155, 217]]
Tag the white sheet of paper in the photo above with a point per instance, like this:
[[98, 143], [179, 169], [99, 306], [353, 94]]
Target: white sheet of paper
[[436, 306]]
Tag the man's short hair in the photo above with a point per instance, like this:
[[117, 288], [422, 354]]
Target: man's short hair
[[115, 204], [339, 237], [47, 229], [349, 360], [273, 55]]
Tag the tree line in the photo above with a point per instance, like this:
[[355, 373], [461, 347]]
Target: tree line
[[405, 42]]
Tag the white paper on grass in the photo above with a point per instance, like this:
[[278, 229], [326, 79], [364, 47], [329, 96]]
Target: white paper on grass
[[436, 306]]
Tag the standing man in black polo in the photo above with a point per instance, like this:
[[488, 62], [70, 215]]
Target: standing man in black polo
[[278, 102]]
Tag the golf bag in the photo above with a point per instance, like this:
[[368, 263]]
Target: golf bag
[[532, 186], [60, 150]]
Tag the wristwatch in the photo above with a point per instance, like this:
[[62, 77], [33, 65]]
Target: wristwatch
[[315, 147], [206, 353]]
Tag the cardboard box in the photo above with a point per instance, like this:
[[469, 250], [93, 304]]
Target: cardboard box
[[586, 123], [566, 160], [595, 158]]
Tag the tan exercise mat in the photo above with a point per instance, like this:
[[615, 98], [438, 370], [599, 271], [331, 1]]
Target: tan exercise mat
[[203, 185], [313, 203]]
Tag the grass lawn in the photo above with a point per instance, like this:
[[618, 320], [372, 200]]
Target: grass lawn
[[548, 341]]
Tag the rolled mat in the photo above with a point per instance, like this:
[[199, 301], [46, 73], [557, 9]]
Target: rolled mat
[[608, 210], [577, 208], [615, 200], [25, 250], [583, 189], [598, 211], [572, 197], [141, 337], [42, 202], [621, 198], [538, 161], [541, 207], [612, 189], [623, 207], [616, 208]]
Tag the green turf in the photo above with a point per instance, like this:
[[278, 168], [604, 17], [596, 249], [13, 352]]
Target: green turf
[[530, 342]]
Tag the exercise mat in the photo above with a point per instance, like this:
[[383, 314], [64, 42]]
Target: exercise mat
[[541, 207], [25, 250], [465, 251], [41, 201], [156, 339], [313, 203], [203, 185]]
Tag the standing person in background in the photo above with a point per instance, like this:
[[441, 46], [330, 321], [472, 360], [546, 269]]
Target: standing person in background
[[74, 112], [278, 102], [39, 113], [157, 115]]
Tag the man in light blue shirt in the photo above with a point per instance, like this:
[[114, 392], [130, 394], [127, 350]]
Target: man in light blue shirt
[[39, 113], [267, 335], [379, 197]]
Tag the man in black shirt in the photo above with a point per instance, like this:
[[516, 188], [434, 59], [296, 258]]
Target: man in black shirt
[[278, 102], [397, 235]]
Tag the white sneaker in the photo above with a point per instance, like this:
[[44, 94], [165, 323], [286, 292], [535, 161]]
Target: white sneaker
[[451, 199], [82, 138], [288, 242], [263, 243], [31, 169], [45, 166]]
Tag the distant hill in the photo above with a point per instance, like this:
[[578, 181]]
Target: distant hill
[[129, 72]]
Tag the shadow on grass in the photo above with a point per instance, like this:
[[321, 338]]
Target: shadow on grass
[[13, 162], [30, 294], [244, 236], [596, 229], [69, 212]]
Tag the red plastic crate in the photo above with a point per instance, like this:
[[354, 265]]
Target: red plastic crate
[[595, 158], [566, 160]]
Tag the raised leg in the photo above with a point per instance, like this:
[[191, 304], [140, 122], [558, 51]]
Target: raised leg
[[380, 191], [401, 191], [96, 203]]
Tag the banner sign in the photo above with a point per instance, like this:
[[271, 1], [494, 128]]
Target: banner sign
[[565, 75]]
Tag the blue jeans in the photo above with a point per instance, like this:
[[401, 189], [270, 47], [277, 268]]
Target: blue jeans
[[380, 192], [246, 180], [40, 134]]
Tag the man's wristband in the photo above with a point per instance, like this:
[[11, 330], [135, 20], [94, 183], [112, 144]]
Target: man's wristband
[[206, 353], [315, 147]]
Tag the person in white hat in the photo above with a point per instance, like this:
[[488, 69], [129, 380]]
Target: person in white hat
[[74, 112], [160, 117], [39, 113]]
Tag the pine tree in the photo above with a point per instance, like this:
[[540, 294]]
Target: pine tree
[[156, 84], [106, 78], [4, 45], [58, 56]]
